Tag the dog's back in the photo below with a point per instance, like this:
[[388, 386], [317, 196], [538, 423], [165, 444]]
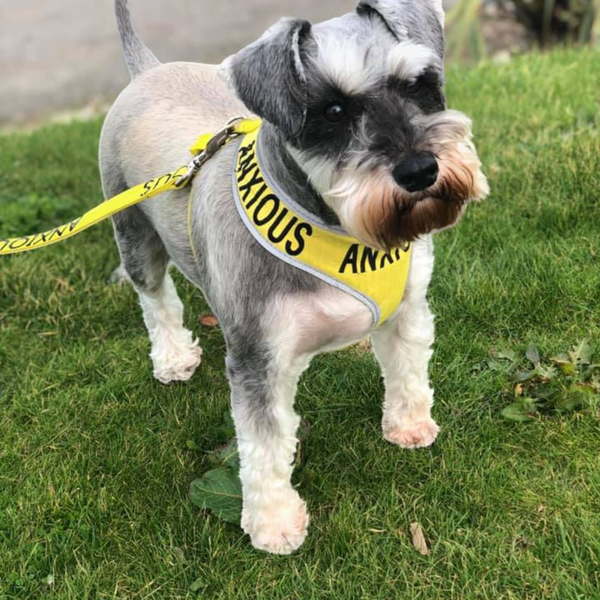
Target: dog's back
[[155, 120]]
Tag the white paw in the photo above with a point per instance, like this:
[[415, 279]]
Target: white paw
[[411, 433], [280, 529], [176, 363]]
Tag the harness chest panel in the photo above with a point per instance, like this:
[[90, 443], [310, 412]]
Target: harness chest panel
[[375, 277]]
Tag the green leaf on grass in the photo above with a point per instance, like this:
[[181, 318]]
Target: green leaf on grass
[[545, 373], [494, 365], [520, 376], [568, 403], [507, 355], [198, 585], [226, 455], [541, 392], [533, 355], [564, 364], [524, 410], [219, 491], [581, 353], [576, 397]]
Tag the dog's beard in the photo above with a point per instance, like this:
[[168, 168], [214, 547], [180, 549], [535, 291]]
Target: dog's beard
[[372, 207]]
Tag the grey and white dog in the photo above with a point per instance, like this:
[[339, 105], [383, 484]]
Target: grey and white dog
[[356, 131]]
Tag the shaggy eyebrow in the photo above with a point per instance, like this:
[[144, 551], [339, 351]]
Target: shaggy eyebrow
[[408, 60]]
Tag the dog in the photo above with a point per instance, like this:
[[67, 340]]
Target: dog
[[356, 133]]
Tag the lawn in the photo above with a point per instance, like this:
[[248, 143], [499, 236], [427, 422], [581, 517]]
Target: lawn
[[97, 458]]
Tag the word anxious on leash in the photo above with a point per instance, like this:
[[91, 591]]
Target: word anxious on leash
[[108, 208]]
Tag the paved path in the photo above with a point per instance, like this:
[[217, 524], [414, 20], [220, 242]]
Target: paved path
[[63, 54]]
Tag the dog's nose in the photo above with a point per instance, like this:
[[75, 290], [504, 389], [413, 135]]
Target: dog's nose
[[417, 172]]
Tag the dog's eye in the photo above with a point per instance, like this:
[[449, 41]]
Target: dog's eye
[[335, 112]]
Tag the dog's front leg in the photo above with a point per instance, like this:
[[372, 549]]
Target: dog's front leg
[[263, 385], [403, 349]]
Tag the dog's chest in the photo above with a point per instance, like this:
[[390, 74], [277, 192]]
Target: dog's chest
[[320, 322]]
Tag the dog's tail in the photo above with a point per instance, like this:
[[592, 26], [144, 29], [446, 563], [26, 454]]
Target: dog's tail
[[137, 56]]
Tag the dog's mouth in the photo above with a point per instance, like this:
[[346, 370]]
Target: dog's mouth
[[385, 215]]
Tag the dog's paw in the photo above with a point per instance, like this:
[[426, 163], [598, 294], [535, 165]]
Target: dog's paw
[[411, 433], [178, 364], [280, 529]]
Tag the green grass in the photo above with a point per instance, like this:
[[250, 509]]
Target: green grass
[[96, 459]]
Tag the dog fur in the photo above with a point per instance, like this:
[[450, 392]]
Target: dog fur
[[383, 63]]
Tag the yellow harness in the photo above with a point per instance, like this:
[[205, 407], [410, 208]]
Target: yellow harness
[[277, 223], [287, 231]]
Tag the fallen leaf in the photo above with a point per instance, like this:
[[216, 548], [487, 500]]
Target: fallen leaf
[[564, 363], [418, 539], [545, 373], [524, 375], [576, 397], [219, 491], [494, 365], [198, 585], [581, 353], [226, 455], [507, 355], [533, 355], [519, 389], [209, 321], [522, 410], [178, 554]]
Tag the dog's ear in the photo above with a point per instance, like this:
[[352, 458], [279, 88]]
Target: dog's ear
[[415, 20], [268, 75]]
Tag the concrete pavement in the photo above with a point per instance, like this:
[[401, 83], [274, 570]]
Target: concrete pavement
[[58, 55]]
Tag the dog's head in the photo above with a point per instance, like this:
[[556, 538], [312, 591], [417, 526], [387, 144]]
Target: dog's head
[[360, 104]]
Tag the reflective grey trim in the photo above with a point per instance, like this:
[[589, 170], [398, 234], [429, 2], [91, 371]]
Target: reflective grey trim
[[369, 302], [293, 205]]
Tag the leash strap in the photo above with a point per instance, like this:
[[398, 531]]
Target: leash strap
[[108, 208], [205, 147]]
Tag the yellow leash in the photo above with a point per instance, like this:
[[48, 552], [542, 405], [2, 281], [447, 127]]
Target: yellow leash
[[204, 148]]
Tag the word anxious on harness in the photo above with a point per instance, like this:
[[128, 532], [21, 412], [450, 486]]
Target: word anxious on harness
[[266, 209]]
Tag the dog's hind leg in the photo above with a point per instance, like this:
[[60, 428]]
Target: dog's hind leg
[[403, 348], [175, 354], [263, 384]]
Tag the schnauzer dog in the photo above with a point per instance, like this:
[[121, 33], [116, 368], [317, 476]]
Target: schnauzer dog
[[356, 134]]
